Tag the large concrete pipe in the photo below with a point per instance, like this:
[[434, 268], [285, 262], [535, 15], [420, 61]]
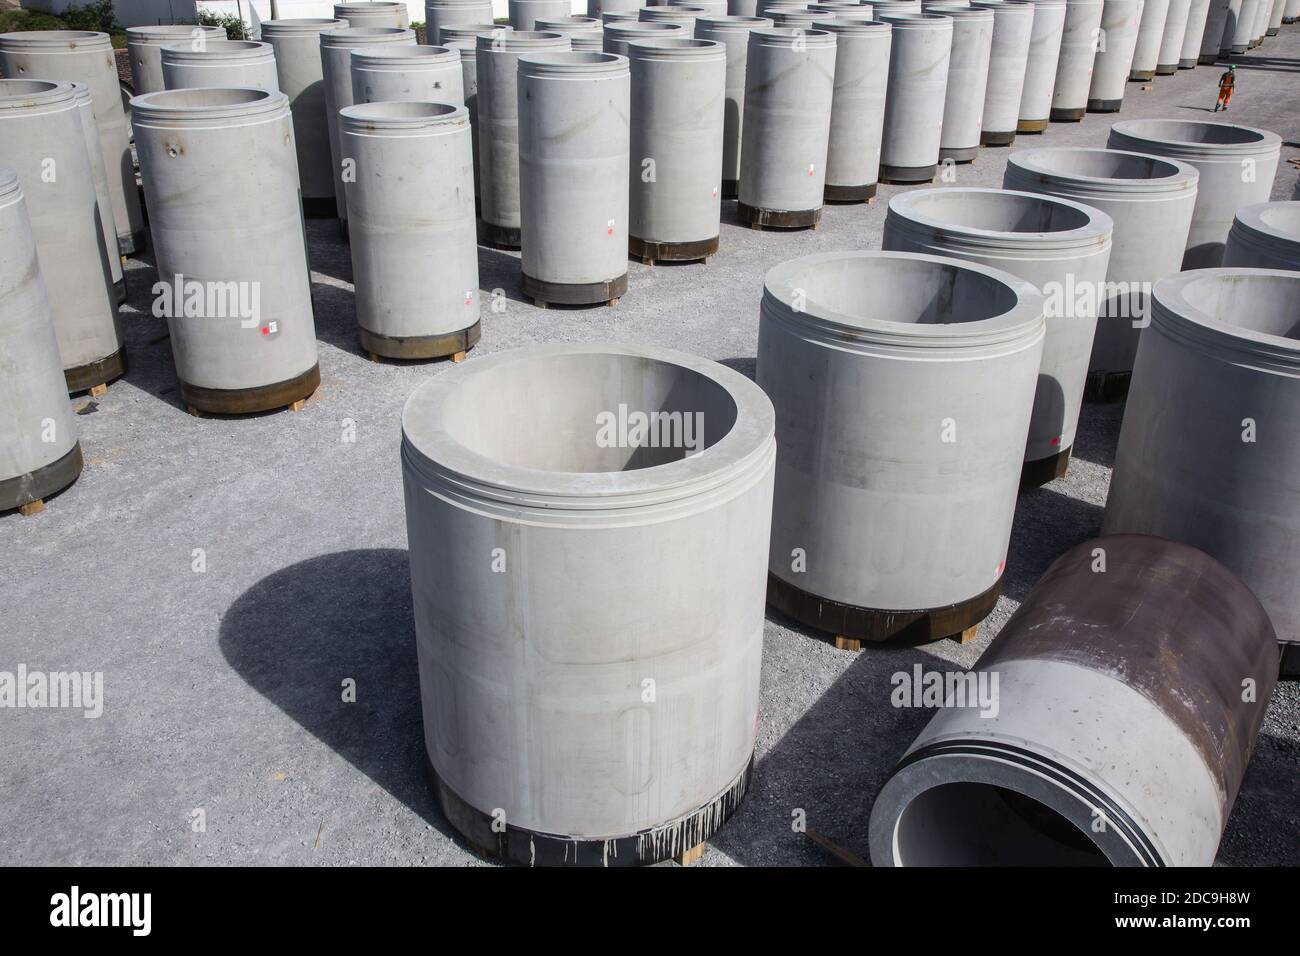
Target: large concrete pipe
[[1237, 165], [220, 64], [1189, 51], [1207, 452], [373, 13], [39, 451], [1150, 201], [685, 15], [617, 36], [1040, 67], [300, 77], [857, 107], [1110, 69], [584, 33], [103, 199], [144, 45], [796, 19], [600, 9], [1146, 50], [618, 725], [785, 133], [893, 373], [1238, 27], [252, 344], [1275, 15], [1154, 642], [711, 8], [414, 253], [1215, 23], [1265, 236], [41, 131], [1262, 10], [498, 142], [425, 74], [920, 48], [1171, 41], [896, 7], [451, 33], [733, 33], [631, 15], [1080, 36], [1013, 27], [1062, 247], [336, 48], [968, 73], [524, 13], [573, 176], [83, 57], [444, 13], [1292, 12], [675, 177]]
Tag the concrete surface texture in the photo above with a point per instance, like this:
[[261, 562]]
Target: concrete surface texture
[[392, 73], [145, 45], [1040, 68], [99, 176], [919, 52], [1265, 236], [733, 33], [439, 14], [1013, 28], [255, 564], [1119, 25], [220, 64], [968, 74], [373, 13], [857, 105]]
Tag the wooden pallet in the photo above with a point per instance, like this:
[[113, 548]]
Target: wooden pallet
[[380, 360], [32, 508], [687, 857], [97, 390], [292, 406], [843, 643]]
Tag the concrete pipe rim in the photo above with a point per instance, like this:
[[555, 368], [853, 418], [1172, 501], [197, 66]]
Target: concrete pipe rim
[[369, 6], [355, 36], [1191, 306], [572, 63], [738, 24], [35, 95], [647, 14], [1197, 137], [1023, 7], [781, 37], [676, 48], [1020, 220], [467, 31], [796, 18], [75, 41], [963, 13], [917, 21], [402, 116], [856, 26], [431, 57], [1170, 174], [574, 22], [617, 16], [164, 33], [218, 50], [633, 28], [199, 106], [1277, 222], [512, 41]]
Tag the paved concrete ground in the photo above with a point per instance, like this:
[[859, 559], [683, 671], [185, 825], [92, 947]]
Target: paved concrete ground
[[223, 688]]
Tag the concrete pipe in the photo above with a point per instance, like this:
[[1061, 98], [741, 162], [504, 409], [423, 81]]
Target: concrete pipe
[[882, 366], [560, 745], [599, 9], [451, 33], [857, 107], [968, 76], [584, 33], [785, 133], [1206, 453], [1239, 27], [711, 8], [675, 177], [414, 253], [39, 451], [1292, 12], [896, 8], [41, 130], [1110, 69], [573, 176], [82, 57], [684, 15], [1265, 236], [1040, 67], [251, 344], [336, 48], [1260, 27], [220, 64], [1153, 654], [617, 36], [1171, 41], [524, 13], [468, 51], [424, 74], [103, 200], [498, 142], [1146, 50], [373, 13], [1189, 51], [1080, 36], [842, 6], [1237, 166], [299, 74], [144, 45], [1216, 21], [1013, 27], [1276, 13], [796, 19], [920, 47], [621, 16], [444, 13], [732, 33]]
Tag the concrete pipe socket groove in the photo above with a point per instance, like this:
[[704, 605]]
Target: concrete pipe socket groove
[[920, 48], [425, 74], [468, 31], [1110, 69], [733, 33], [219, 64], [373, 13], [584, 558], [857, 106], [873, 535], [617, 36], [144, 44], [1265, 236], [525, 13], [442, 16], [1157, 650], [1171, 40]]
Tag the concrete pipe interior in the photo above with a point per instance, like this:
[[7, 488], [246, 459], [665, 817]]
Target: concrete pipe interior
[[412, 53], [201, 98], [995, 211], [400, 110], [1100, 164], [15, 88], [1253, 302], [1282, 217], [1188, 131]]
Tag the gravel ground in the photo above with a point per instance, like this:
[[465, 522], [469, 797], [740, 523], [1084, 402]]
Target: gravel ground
[[222, 688]]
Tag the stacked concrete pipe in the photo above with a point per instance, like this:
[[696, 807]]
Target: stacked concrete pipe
[[414, 255], [1216, 20], [524, 13], [1146, 50], [83, 57], [300, 77], [373, 13], [103, 200], [39, 451], [1239, 26], [857, 106], [921, 368], [920, 49], [220, 64], [426, 74], [1206, 453], [1013, 26], [1265, 236], [1237, 166], [1110, 68], [617, 36], [194, 144], [444, 13], [1040, 68], [336, 48], [968, 71], [144, 45], [785, 132], [675, 178], [1153, 641], [1079, 38], [41, 129], [711, 8], [1171, 41], [1189, 52], [574, 164], [732, 33]]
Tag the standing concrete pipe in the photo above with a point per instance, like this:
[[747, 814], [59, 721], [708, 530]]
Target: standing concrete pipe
[[444, 13], [468, 31], [1238, 27], [1154, 652], [373, 13], [1207, 453], [41, 130], [252, 345], [1146, 50], [857, 107], [599, 9], [1237, 166], [801, 19], [1189, 51], [1171, 41], [892, 373], [1040, 67], [711, 8], [1292, 12], [468, 50], [1080, 36], [1215, 23], [39, 451], [336, 48], [1262, 10], [685, 15], [1062, 247], [1150, 201], [82, 57], [425, 74], [220, 64], [103, 201], [617, 36], [414, 255], [524, 13], [920, 47], [570, 25], [968, 74], [498, 143], [1013, 26], [299, 74], [560, 744], [573, 176], [1110, 69], [733, 33], [1275, 17], [785, 133], [679, 95], [622, 16], [144, 44], [1265, 235]]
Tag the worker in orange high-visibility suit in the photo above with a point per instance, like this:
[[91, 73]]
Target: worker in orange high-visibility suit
[[1227, 83]]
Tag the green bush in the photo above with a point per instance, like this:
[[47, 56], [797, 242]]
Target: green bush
[[236, 29]]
